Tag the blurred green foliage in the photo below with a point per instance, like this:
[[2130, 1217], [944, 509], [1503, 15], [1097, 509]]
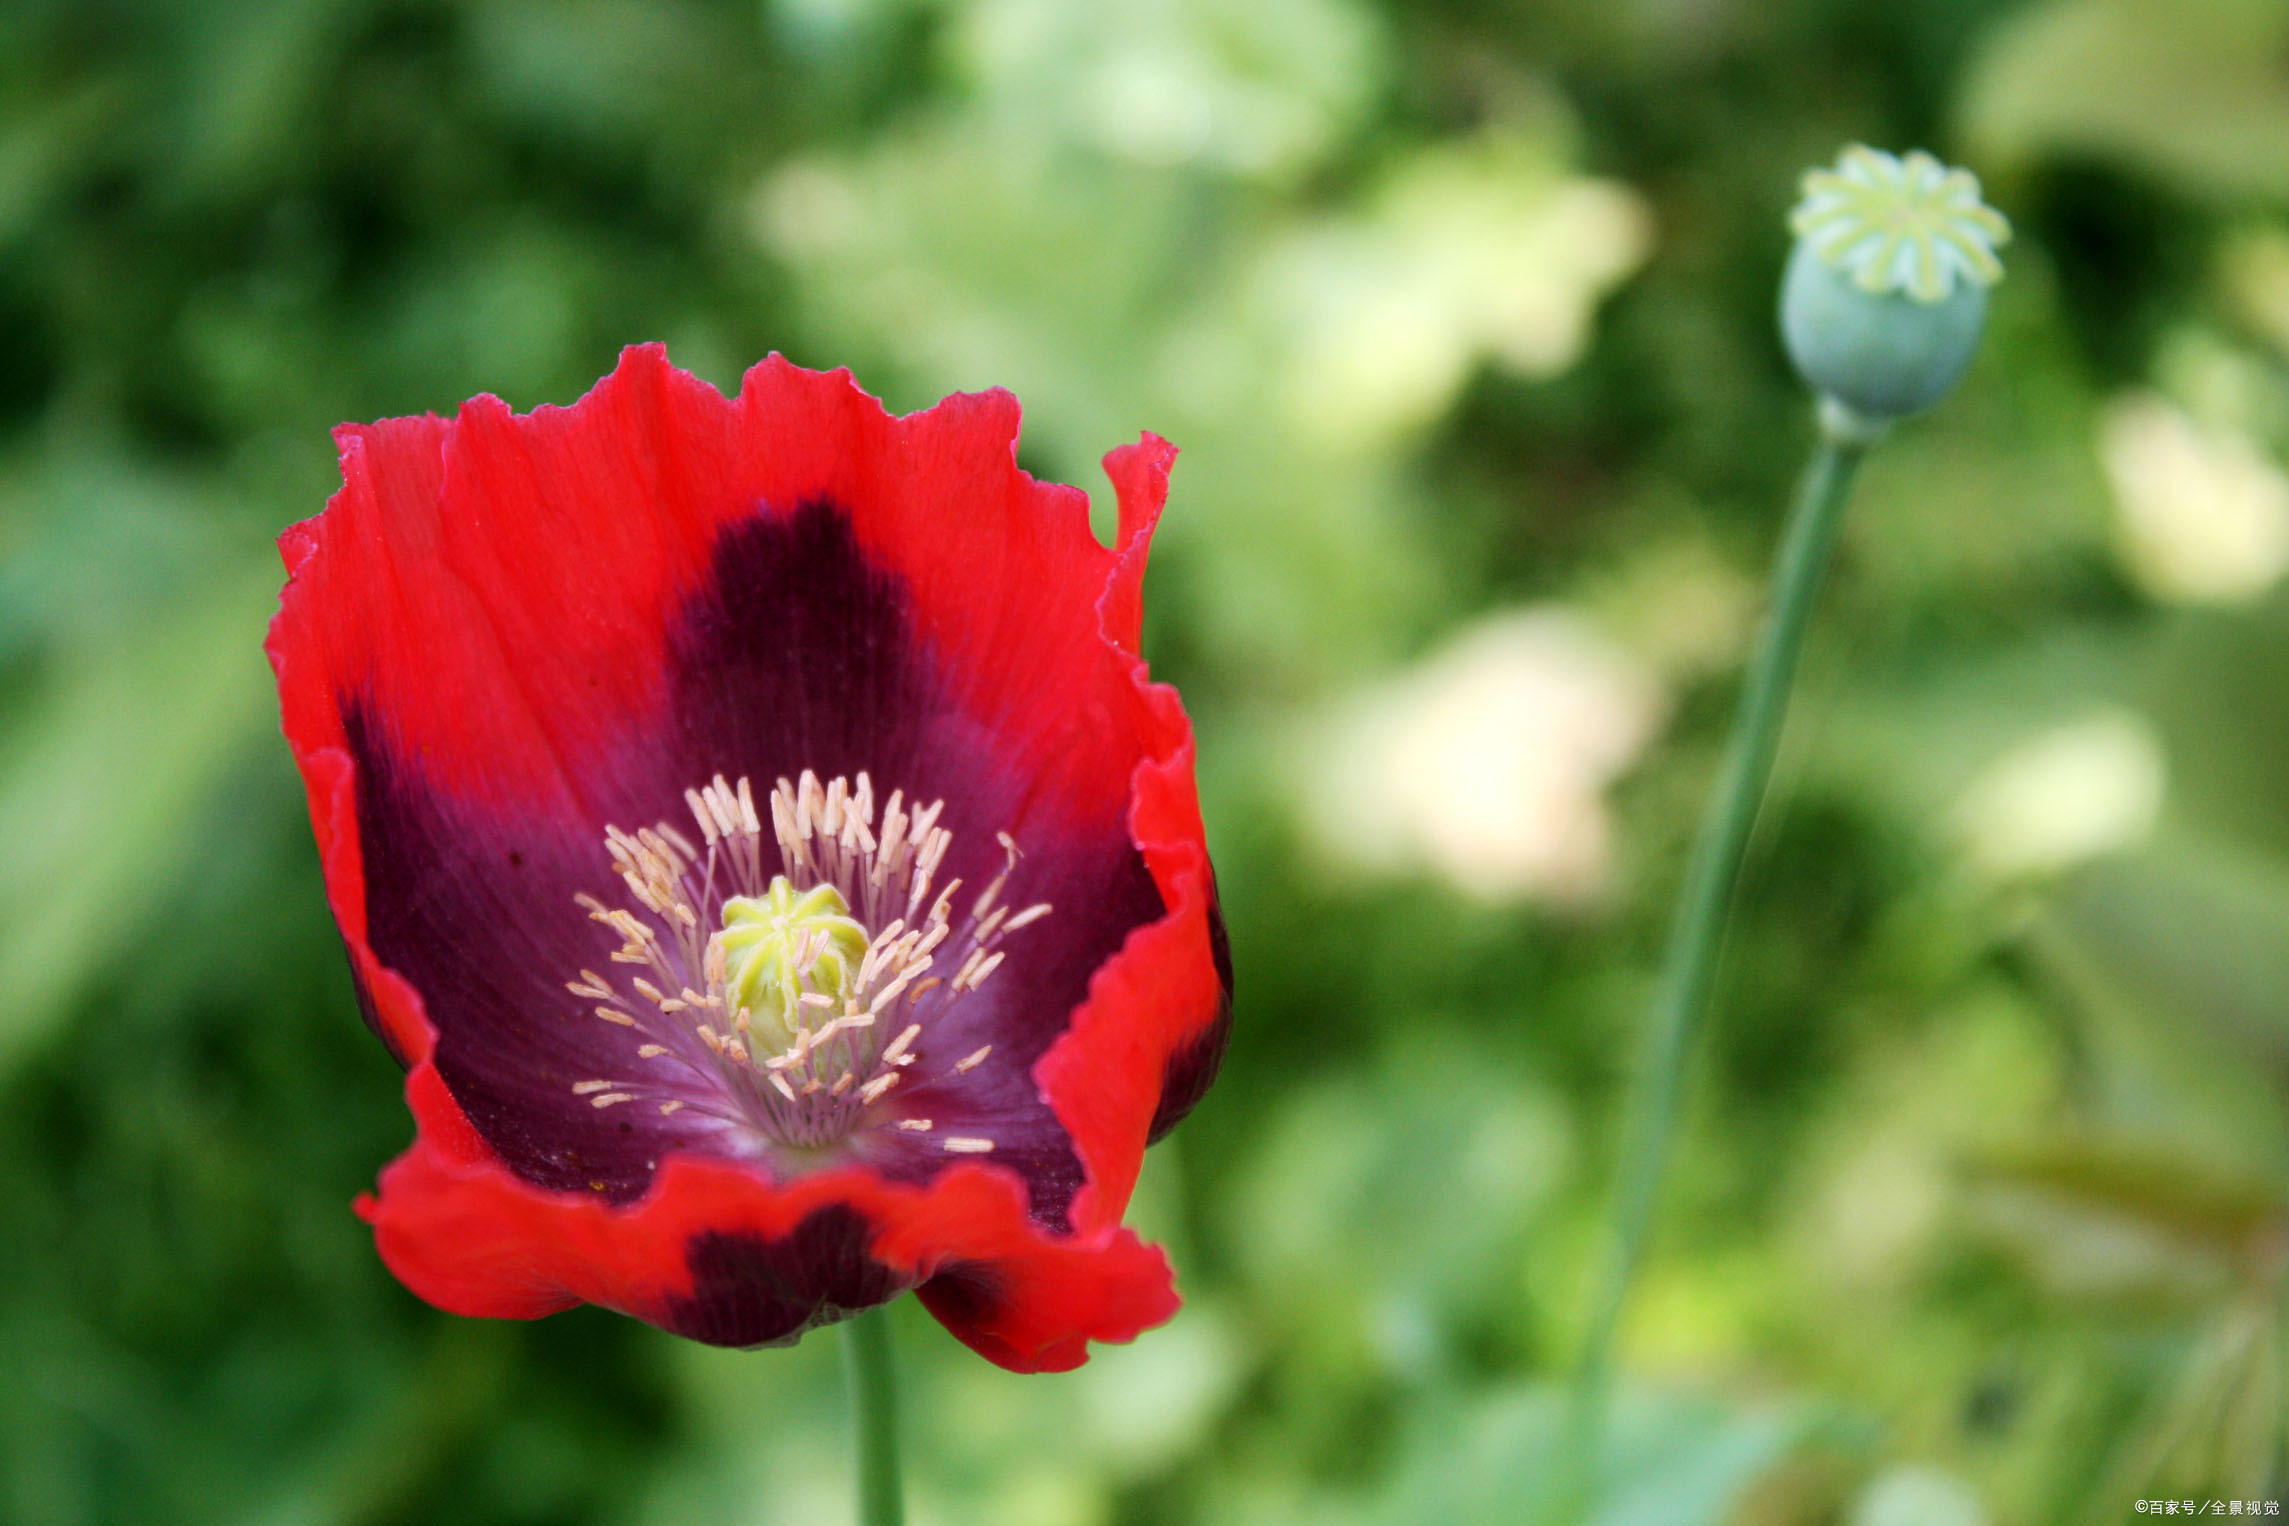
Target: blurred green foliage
[[1461, 312]]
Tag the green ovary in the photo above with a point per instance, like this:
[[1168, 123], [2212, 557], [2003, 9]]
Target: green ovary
[[764, 941]]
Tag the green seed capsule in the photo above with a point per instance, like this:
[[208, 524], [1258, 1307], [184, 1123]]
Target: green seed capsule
[[1885, 293]]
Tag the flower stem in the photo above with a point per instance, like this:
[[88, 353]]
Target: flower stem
[[874, 1417], [1703, 904]]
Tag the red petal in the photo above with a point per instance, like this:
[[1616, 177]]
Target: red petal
[[497, 590], [464, 1233], [1164, 991]]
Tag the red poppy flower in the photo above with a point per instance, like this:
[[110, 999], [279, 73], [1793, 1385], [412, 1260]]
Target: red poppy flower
[[752, 827]]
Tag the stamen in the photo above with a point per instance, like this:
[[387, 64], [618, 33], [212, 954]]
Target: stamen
[[1027, 917], [976, 968], [778, 980], [893, 841], [703, 815], [725, 808]]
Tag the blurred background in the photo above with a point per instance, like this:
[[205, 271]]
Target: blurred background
[[1462, 314]]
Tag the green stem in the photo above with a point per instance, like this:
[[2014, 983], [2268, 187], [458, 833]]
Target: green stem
[[874, 1417], [1689, 965]]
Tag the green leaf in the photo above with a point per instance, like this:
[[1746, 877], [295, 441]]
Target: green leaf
[[2192, 931], [103, 771], [2187, 88], [1669, 1460]]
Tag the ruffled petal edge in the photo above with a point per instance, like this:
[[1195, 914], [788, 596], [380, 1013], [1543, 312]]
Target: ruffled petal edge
[[463, 1231]]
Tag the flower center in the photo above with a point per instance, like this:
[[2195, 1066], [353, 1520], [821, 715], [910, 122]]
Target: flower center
[[792, 1008], [783, 946]]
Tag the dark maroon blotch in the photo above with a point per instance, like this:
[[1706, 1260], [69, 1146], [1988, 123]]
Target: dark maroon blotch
[[751, 1291]]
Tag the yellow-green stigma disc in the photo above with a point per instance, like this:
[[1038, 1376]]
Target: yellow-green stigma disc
[[785, 944]]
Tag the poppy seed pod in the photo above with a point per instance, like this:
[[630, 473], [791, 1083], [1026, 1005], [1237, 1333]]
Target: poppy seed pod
[[1885, 293]]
